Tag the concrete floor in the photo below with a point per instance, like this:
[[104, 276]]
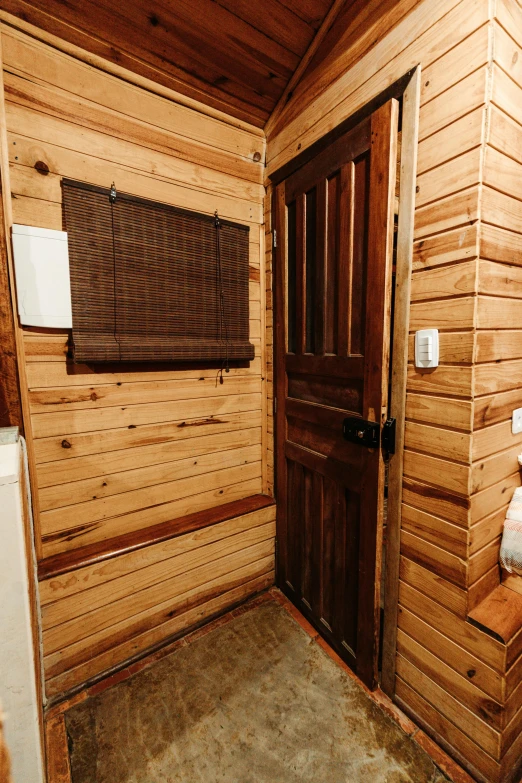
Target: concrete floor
[[252, 701]]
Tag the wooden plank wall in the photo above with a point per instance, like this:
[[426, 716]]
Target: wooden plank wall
[[450, 675], [235, 56], [498, 370], [117, 451], [99, 616]]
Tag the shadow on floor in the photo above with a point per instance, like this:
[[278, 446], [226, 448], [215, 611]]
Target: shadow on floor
[[252, 701]]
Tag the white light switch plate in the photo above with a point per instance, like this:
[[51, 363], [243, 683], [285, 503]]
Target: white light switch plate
[[427, 348], [516, 424]]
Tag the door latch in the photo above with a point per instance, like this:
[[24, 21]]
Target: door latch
[[388, 435], [365, 433], [368, 433]]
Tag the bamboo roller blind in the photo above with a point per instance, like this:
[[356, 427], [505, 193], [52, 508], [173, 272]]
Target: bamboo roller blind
[[151, 282]]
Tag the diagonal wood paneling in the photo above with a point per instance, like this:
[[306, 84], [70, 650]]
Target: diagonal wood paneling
[[234, 55]]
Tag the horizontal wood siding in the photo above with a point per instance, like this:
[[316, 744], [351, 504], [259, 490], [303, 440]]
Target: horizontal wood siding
[[450, 675], [498, 382], [118, 449], [100, 616]]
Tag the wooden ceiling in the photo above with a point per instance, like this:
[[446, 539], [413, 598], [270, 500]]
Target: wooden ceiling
[[235, 55]]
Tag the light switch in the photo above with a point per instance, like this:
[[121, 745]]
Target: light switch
[[427, 348], [516, 422]]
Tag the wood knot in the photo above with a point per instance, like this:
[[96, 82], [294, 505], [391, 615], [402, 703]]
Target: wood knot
[[257, 157], [471, 672], [66, 444], [42, 167]]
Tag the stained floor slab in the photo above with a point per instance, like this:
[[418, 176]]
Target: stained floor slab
[[252, 701]]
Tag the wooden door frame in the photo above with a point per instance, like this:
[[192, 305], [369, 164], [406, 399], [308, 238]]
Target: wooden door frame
[[399, 371], [407, 89]]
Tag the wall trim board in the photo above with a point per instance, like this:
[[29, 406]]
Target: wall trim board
[[400, 345], [264, 382], [130, 542]]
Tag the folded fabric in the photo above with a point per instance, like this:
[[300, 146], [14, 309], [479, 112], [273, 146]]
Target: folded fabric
[[511, 547]]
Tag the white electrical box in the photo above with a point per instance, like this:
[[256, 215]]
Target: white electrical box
[[427, 348], [43, 288]]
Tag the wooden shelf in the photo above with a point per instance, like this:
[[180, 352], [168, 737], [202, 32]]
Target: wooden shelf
[[499, 615], [120, 545]]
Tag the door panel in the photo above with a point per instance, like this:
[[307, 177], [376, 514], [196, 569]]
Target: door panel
[[334, 222]]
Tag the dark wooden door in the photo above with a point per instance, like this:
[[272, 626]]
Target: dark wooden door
[[334, 223]]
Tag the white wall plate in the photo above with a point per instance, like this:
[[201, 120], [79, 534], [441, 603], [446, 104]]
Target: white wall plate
[[427, 348], [43, 288]]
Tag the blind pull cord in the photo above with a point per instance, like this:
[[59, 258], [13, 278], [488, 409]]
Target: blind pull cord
[[221, 304], [113, 194]]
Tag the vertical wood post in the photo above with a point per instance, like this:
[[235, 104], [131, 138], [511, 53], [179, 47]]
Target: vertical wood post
[[13, 358], [10, 404], [410, 133]]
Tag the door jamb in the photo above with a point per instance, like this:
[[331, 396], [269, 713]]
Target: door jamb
[[407, 88], [399, 370]]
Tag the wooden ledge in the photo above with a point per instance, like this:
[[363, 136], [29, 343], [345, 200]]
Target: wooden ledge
[[121, 545], [513, 581], [499, 615]]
